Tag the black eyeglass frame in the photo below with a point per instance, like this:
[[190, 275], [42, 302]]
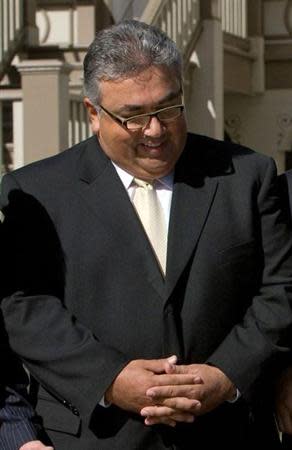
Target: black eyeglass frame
[[123, 122]]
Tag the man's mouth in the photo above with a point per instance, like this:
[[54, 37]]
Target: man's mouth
[[152, 145]]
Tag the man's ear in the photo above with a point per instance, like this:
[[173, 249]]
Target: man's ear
[[93, 115]]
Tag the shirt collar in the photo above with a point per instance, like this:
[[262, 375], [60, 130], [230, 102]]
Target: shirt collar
[[127, 178]]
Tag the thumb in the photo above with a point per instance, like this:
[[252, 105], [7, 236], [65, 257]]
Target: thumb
[[35, 445], [170, 364], [159, 365], [172, 359]]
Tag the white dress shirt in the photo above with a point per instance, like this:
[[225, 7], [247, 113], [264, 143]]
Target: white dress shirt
[[164, 189]]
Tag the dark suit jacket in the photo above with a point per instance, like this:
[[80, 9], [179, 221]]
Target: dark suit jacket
[[286, 189], [287, 182], [89, 296], [17, 417]]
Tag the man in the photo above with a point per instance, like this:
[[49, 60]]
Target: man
[[17, 431], [135, 346], [283, 400]]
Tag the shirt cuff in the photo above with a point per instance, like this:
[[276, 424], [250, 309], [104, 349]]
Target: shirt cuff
[[103, 403], [238, 394]]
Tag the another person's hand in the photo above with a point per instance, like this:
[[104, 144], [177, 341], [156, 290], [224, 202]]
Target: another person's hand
[[128, 391], [210, 388], [35, 445], [283, 401]]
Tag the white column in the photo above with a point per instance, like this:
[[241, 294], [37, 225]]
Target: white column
[[18, 150], [205, 83], [1, 139], [45, 87]]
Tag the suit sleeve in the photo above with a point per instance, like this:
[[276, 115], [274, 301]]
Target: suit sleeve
[[61, 353], [262, 336]]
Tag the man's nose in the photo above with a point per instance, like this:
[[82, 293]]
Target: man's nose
[[154, 127]]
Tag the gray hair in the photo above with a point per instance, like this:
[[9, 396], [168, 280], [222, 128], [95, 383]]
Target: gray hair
[[125, 50]]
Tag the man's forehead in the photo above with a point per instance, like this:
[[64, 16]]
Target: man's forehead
[[173, 94], [125, 95]]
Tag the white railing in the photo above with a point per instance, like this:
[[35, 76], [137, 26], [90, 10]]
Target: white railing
[[11, 26], [79, 127], [179, 19], [234, 17], [11, 130]]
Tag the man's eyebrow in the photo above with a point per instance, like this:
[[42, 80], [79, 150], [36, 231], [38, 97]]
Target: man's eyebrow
[[172, 95]]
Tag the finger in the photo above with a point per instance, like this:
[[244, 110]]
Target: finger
[[190, 391], [160, 420], [35, 445], [158, 365], [172, 359], [179, 368], [187, 369], [183, 404], [171, 368], [157, 413], [170, 363], [174, 379]]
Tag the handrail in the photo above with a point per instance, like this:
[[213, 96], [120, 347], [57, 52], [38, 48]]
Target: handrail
[[78, 127], [180, 19], [11, 31]]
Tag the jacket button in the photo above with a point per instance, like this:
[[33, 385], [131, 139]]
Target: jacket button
[[75, 411]]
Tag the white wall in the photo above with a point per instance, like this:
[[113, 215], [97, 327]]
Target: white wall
[[263, 122]]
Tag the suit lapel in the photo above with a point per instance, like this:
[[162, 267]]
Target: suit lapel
[[105, 196], [197, 177], [189, 212]]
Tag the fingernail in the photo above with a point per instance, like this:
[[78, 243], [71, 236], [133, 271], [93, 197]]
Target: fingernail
[[172, 359]]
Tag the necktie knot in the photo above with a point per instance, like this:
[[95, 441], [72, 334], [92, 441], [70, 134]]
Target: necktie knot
[[143, 184]]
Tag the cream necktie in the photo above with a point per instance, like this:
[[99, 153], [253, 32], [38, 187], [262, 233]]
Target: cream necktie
[[151, 215]]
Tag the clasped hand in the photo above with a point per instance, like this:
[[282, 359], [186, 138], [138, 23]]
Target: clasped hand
[[164, 392], [35, 445]]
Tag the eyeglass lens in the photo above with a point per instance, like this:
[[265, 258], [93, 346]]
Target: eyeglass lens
[[165, 115]]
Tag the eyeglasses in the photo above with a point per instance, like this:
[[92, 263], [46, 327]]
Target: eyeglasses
[[142, 120]]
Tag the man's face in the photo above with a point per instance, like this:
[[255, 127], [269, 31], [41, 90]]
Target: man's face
[[150, 152]]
